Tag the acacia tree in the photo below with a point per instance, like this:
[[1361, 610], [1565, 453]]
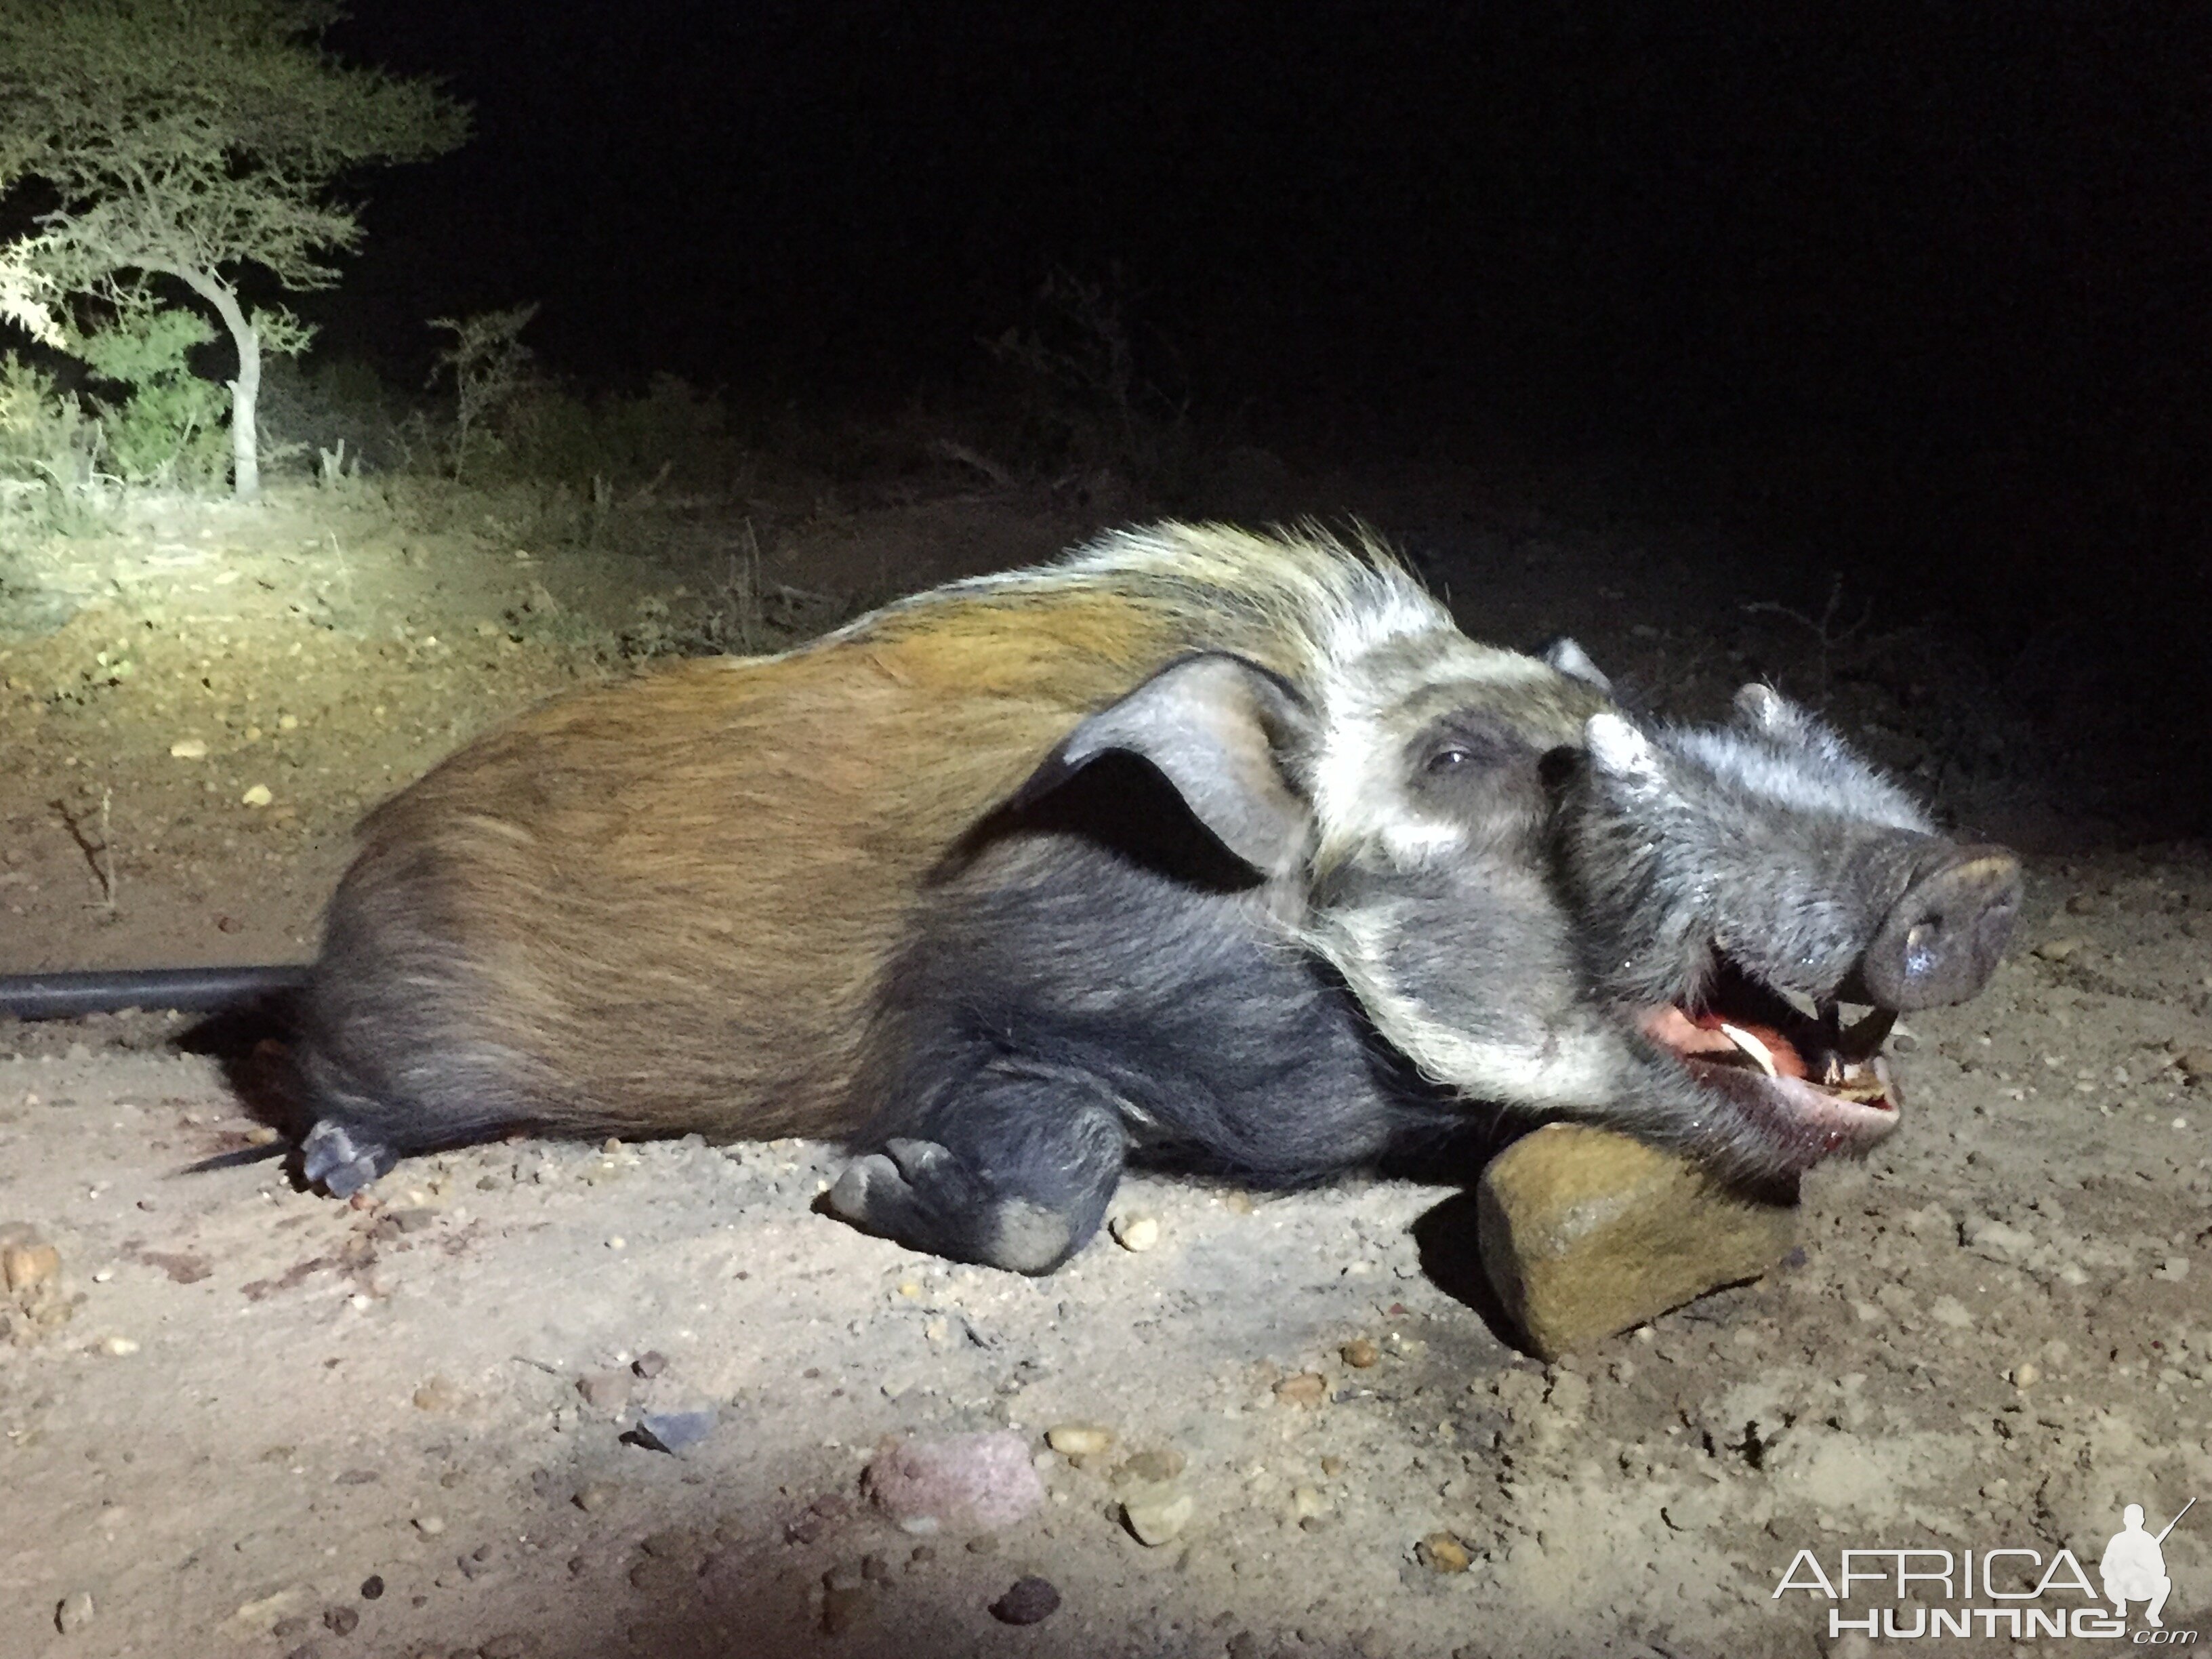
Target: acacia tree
[[192, 140]]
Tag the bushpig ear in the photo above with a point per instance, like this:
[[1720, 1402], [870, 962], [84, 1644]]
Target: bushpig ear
[[1570, 659], [1619, 750], [1214, 727]]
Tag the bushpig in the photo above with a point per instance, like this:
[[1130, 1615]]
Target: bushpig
[[1198, 847]]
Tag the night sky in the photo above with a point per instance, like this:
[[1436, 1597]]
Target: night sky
[[1964, 246]]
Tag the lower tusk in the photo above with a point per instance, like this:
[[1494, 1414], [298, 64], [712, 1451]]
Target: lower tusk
[[1752, 1046]]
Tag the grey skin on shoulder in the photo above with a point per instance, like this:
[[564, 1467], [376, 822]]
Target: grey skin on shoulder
[[1221, 851]]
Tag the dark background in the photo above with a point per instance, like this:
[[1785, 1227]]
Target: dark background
[[1959, 253]]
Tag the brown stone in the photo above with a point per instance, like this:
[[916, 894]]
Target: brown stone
[[1307, 1388], [27, 1265], [1441, 1553], [1585, 1233]]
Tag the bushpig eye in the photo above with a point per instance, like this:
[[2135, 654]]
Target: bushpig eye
[[1451, 759]]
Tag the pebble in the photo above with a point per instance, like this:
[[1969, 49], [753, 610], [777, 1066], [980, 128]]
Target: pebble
[[2194, 1064], [342, 1621], [2057, 949], [594, 1497], [1136, 1232], [607, 1391], [189, 749], [74, 1612], [1441, 1553], [1156, 1514], [1028, 1601], [120, 1347], [968, 1481], [27, 1265], [2026, 1374], [257, 796], [437, 1395], [1307, 1502], [372, 1588], [1359, 1354], [1079, 1439], [675, 1432], [1154, 1466], [649, 1364], [1307, 1388], [430, 1525]]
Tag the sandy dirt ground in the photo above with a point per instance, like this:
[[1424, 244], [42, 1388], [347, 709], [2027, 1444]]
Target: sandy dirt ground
[[243, 1419]]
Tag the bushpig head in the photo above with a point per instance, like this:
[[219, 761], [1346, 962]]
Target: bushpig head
[[1543, 904]]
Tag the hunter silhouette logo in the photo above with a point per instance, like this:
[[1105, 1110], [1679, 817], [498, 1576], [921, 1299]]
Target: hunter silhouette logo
[[2134, 1565]]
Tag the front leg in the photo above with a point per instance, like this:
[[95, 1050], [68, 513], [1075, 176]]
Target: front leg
[[1010, 1166]]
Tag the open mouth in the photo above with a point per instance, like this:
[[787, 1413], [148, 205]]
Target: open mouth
[[1817, 1086]]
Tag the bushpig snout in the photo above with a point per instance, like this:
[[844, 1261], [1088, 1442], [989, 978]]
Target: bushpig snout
[[1941, 941]]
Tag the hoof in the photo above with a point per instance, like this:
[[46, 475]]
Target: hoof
[[342, 1161]]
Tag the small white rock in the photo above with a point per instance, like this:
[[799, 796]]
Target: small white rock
[[74, 1612], [1156, 1514], [430, 1525], [1079, 1439], [257, 796], [119, 1347], [189, 749], [1136, 1232]]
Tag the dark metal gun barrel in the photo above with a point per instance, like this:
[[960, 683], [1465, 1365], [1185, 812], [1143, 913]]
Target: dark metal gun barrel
[[189, 990]]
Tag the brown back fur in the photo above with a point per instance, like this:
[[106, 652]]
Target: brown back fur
[[672, 895]]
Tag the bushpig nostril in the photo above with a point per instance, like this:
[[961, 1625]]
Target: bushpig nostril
[[1942, 940]]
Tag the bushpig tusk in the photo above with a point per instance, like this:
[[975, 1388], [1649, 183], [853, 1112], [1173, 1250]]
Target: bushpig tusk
[[1752, 1046]]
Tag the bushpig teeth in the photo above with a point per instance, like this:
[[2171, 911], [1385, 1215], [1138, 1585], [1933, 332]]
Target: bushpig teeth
[[1866, 1037], [1752, 1046]]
